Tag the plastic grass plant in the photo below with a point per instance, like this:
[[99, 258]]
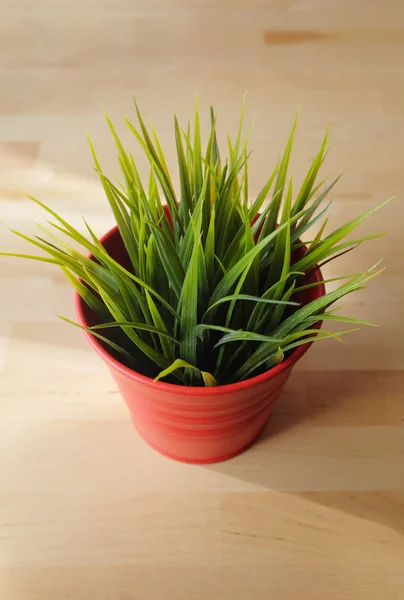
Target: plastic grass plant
[[211, 296]]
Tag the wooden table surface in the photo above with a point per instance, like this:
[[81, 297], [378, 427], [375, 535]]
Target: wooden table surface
[[315, 510]]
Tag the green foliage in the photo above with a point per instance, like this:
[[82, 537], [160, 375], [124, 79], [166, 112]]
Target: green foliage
[[212, 294]]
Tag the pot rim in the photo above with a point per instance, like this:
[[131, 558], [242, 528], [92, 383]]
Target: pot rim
[[188, 390]]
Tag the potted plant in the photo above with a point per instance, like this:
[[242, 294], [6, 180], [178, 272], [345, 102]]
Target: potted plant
[[201, 303]]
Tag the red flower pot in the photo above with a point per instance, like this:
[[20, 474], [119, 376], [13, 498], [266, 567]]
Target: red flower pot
[[195, 424]]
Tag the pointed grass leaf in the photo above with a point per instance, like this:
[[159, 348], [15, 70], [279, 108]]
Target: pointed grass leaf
[[86, 294], [189, 306], [259, 201], [253, 299], [165, 337], [208, 379], [271, 220], [186, 193], [169, 258], [317, 253], [110, 343], [309, 181]]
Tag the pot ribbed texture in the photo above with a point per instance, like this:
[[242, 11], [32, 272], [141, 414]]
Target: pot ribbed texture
[[195, 428]]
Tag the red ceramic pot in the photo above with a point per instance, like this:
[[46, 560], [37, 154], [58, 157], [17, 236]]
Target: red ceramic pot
[[195, 424]]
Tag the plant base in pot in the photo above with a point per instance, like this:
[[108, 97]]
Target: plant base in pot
[[195, 424]]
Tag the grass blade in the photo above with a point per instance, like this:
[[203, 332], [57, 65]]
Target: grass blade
[[186, 194], [208, 379], [189, 305], [272, 218], [198, 178], [169, 258], [165, 338], [86, 294], [110, 343], [252, 298], [319, 251], [309, 181]]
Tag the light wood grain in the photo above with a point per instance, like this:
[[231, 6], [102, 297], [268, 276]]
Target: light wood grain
[[316, 508]]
